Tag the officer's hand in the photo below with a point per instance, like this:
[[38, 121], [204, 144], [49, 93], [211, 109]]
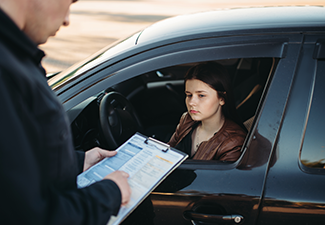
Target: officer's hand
[[95, 155], [121, 179]]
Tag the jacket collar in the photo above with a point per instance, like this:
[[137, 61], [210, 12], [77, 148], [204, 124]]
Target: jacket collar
[[14, 38]]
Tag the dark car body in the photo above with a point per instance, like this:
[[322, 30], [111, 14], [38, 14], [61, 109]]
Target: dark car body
[[276, 59]]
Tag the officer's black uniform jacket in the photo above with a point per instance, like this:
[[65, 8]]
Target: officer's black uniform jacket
[[38, 164]]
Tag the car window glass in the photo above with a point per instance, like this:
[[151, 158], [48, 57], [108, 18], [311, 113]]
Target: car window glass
[[313, 149]]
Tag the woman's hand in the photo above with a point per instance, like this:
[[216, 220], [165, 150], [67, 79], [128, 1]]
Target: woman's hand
[[95, 155]]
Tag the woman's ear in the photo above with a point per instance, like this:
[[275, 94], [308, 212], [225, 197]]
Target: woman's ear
[[222, 100]]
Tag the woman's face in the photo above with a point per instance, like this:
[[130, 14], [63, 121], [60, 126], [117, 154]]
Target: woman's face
[[202, 101]]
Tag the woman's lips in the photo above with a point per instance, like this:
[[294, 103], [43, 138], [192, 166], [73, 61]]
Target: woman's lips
[[193, 111]]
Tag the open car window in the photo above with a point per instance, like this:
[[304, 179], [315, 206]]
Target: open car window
[[159, 99], [153, 82]]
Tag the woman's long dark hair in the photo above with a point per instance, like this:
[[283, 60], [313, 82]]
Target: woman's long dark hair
[[216, 76]]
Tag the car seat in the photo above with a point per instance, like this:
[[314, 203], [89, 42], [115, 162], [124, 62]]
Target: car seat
[[249, 91]]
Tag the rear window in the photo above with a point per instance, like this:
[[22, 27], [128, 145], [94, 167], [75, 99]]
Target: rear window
[[313, 149]]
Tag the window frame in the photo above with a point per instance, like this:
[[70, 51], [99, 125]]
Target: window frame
[[251, 46]]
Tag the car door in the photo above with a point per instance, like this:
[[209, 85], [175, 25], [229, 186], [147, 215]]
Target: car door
[[214, 192], [294, 188], [209, 192]]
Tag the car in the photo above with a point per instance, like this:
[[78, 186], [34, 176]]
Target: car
[[276, 59]]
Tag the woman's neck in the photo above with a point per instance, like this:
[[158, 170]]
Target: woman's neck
[[205, 130], [212, 125]]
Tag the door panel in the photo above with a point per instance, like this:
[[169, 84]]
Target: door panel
[[212, 193], [209, 191], [230, 191], [292, 195]]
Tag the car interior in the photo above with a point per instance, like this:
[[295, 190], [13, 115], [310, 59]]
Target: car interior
[[153, 103]]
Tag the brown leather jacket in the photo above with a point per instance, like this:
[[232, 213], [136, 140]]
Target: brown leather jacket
[[225, 145]]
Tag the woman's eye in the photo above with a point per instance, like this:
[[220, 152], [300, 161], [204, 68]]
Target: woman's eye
[[188, 96], [201, 96]]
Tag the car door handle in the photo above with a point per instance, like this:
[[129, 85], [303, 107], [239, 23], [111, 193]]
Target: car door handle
[[212, 218]]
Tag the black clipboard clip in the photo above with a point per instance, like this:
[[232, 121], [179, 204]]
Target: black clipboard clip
[[166, 146]]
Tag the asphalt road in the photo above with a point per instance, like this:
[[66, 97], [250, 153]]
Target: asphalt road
[[95, 24]]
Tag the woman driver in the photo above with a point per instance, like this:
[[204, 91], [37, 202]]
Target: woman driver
[[210, 129]]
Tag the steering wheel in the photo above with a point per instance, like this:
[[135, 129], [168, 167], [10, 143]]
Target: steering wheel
[[118, 119]]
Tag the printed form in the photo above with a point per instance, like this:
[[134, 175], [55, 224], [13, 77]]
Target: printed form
[[147, 161]]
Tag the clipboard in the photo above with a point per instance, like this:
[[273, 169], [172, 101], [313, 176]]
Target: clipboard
[[148, 162]]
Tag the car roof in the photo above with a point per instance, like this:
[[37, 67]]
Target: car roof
[[200, 25], [235, 20]]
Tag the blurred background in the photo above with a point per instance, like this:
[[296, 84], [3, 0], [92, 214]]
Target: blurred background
[[95, 24]]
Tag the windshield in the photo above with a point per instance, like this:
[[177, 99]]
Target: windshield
[[103, 55]]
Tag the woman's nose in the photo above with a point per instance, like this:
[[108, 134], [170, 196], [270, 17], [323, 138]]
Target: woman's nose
[[192, 101]]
